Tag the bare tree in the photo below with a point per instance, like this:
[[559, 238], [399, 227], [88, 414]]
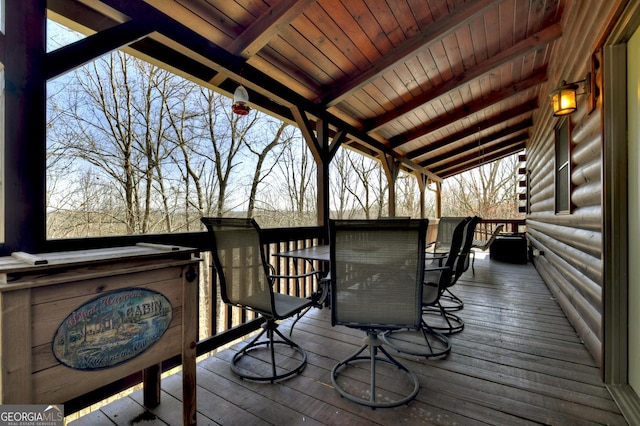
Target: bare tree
[[279, 137], [489, 191]]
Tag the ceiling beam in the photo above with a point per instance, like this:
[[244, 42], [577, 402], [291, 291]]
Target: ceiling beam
[[469, 109], [465, 133], [83, 51], [431, 34], [489, 158], [535, 42], [474, 151], [524, 125], [267, 26]]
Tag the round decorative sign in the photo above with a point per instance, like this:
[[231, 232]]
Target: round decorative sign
[[112, 328]]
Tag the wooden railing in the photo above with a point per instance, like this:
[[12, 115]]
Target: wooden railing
[[226, 324], [511, 226]]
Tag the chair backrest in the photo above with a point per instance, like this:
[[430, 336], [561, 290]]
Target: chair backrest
[[239, 261], [485, 244], [446, 226], [439, 279], [377, 268], [462, 261]]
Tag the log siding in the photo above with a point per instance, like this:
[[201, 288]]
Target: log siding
[[571, 260]]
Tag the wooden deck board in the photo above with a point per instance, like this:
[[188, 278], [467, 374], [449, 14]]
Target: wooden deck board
[[518, 362]]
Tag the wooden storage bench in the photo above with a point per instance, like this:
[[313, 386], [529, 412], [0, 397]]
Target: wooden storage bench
[[72, 322]]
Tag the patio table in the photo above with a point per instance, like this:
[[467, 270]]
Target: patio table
[[310, 255]]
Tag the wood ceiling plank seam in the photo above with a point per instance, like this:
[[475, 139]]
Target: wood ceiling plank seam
[[439, 121], [405, 18], [465, 43], [337, 33], [277, 58], [482, 141], [315, 50], [204, 11], [435, 32], [422, 13], [453, 53], [419, 76], [545, 36], [453, 169], [522, 13], [388, 87], [506, 25], [432, 77], [389, 23], [367, 103], [361, 25], [266, 26], [509, 74], [478, 41], [471, 130], [552, 11], [491, 32]]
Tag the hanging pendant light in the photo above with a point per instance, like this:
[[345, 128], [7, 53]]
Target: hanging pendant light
[[240, 101]]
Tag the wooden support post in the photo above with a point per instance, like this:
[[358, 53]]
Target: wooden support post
[[24, 197], [391, 168], [151, 385], [189, 343], [15, 347]]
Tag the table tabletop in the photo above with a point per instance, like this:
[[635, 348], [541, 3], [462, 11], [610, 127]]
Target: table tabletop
[[321, 253]]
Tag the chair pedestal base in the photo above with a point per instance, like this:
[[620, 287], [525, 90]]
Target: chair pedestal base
[[450, 302], [276, 373], [368, 393], [448, 323], [426, 343]]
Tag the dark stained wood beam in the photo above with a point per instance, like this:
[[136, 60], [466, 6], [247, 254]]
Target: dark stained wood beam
[[524, 125], [77, 15], [433, 33], [465, 133], [83, 51], [267, 26], [469, 109], [496, 154], [535, 42], [24, 165]]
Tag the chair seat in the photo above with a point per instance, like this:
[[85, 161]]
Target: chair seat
[[286, 305]]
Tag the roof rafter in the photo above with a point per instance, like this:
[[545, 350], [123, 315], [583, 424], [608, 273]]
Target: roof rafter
[[469, 109], [465, 133], [498, 152], [433, 33], [267, 26], [545, 36]]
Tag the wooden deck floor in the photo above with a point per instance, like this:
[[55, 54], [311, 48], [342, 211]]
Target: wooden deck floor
[[518, 361]]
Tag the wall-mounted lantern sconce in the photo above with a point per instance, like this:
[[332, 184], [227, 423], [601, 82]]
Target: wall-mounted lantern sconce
[[240, 101], [563, 99]]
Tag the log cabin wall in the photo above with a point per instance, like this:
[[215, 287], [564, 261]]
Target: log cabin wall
[[571, 261]]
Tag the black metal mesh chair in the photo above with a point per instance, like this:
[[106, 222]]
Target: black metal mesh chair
[[449, 302], [430, 342], [439, 250], [246, 281], [376, 285], [442, 243]]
